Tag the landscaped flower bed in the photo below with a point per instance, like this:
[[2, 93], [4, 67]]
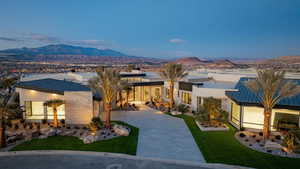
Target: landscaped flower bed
[[274, 145], [26, 131], [208, 126]]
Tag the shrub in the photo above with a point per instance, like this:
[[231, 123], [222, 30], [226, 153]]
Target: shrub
[[96, 123], [44, 121], [278, 137], [62, 121], [183, 108], [202, 115], [242, 135], [291, 141]]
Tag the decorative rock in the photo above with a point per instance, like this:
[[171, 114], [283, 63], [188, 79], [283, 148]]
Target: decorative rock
[[43, 136], [89, 139], [120, 130], [175, 113], [44, 130], [272, 145]]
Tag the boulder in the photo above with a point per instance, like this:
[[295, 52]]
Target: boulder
[[175, 113], [51, 132], [43, 136], [269, 145], [120, 130], [89, 139], [44, 130]]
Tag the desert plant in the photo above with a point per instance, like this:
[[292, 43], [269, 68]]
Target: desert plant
[[183, 108], [291, 141], [270, 87], [106, 82], [202, 115], [172, 73], [8, 111], [54, 104]]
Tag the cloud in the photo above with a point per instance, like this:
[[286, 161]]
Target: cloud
[[9, 39], [176, 40]]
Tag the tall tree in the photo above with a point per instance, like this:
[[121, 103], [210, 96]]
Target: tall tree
[[8, 110], [172, 73], [55, 103], [270, 87], [107, 82]]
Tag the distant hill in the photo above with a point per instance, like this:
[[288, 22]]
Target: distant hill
[[191, 61], [212, 64], [281, 60], [68, 53]]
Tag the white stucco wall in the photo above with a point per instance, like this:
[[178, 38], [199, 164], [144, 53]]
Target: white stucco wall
[[78, 105]]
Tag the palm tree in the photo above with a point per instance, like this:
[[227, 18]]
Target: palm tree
[[8, 83], [172, 73], [107, 82], [270, 87], [54, 104], [8, 111], [127, 88]]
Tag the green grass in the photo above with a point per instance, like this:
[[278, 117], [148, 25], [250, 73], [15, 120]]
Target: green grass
[[125, 145], [222, 147]]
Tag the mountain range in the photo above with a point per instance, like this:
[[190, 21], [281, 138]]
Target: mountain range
[[213, 64], [74, 54]]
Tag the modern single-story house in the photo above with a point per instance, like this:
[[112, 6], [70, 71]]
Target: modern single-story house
[[80, 103], [247, 112], [195, 93]]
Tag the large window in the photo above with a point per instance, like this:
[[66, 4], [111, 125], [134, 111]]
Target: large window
[[285, 121], [37, 110], [235, 114], [186, 98]]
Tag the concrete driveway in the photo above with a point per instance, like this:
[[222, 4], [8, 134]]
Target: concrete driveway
[[161, 136]]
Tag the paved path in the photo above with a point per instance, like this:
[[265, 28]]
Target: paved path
[[93, 160], [161, 136]]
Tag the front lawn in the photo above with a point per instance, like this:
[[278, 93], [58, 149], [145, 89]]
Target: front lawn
[[125, 145], [222, 147]]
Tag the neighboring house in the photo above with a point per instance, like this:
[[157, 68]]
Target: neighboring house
[[195, 93], [247, 112], [80, 102]]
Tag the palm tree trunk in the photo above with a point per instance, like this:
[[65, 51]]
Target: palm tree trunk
[[107, 115], [267, 122], [2, 135], [171, 95], [127, 97], [121, 100], [55, 119]]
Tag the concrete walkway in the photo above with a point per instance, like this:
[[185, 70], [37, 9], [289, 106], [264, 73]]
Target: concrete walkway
[[161, 136], [93, 160]]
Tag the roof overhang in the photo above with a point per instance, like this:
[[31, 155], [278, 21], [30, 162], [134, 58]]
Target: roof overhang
[[40, 89]]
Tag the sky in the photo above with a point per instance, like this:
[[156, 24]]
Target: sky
[[243, 29]]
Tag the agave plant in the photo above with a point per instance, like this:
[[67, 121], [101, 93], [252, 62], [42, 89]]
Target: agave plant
[[172, 73], [54, 104], [270, 87], [108, 83]]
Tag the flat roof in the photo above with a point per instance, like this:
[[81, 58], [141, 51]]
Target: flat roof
[[216, 84], [52, 86]]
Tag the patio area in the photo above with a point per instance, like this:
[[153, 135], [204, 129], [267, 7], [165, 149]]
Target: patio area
[[161, 136]]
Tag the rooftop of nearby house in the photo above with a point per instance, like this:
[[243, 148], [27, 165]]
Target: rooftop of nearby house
[[244, 96], [217, 84], [55, 86]]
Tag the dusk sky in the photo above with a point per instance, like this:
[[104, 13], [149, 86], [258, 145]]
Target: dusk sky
[[157, 28]]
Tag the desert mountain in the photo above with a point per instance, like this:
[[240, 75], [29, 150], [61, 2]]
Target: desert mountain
[[75, 54]]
